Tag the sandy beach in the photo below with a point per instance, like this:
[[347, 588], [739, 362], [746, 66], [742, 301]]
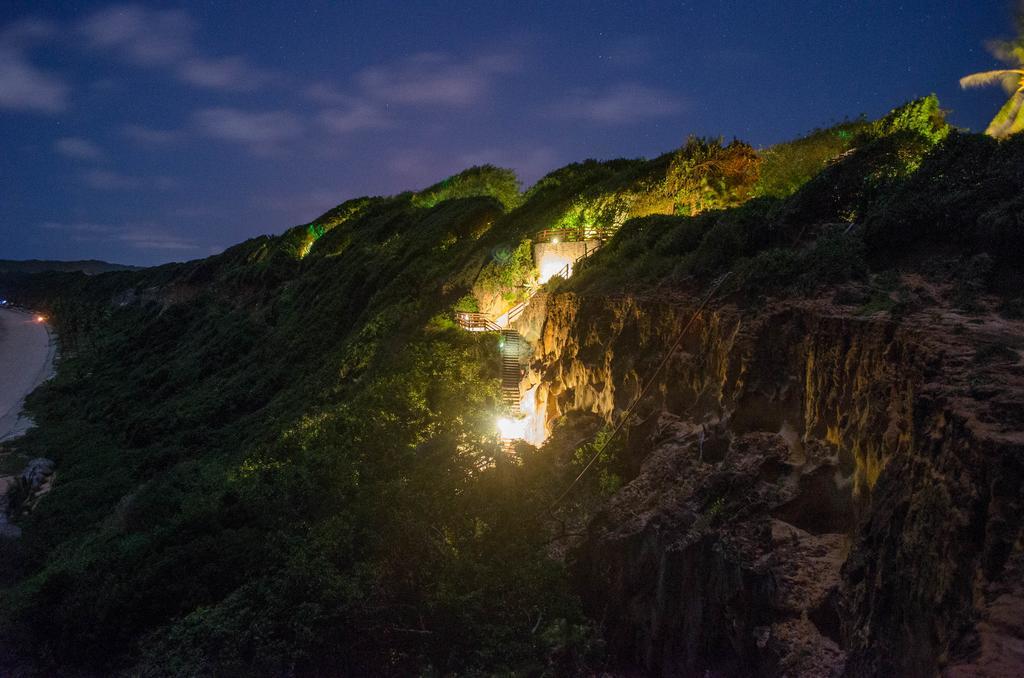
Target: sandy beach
[[27, 350]]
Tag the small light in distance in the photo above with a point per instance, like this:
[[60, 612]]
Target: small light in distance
[[40, 318]]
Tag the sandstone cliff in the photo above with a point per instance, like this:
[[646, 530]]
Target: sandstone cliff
[[813, 490]]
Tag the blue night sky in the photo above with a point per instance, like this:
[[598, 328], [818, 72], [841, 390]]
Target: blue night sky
[[145, 133]]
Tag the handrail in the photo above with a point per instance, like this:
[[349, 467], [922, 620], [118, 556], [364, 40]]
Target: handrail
[[555, 235], [476, 322], [517, 310], [566, 270], [481, 322]]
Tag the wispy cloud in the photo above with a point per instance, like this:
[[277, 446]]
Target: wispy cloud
[[142, 236], [152, 238], [618, 105], [78, 148], [433, 78], [229, 73], [427, 79], [148, 136], [23, 86], [105, 180], [165, 38], [77, 227], [326, 93], [141, 35], [258, 131], [358, 115]]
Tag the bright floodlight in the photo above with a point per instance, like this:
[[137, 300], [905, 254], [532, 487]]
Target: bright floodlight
[[511, 429]]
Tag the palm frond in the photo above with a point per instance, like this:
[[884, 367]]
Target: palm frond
[[1010, 118], [1012, 83], [987, 78]]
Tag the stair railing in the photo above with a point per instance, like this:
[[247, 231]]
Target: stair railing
[[476, 322]]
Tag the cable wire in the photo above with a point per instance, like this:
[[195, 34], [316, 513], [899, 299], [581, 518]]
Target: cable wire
[[643, 392]]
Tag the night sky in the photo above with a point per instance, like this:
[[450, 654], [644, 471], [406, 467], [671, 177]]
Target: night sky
[[145, 133]]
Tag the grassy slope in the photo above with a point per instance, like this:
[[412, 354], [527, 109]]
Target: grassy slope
[[279, 470]]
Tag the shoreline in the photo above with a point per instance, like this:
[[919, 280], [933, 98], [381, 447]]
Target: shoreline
[[29, 358]]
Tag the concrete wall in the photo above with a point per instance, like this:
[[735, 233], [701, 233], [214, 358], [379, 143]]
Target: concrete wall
[[550, 258]]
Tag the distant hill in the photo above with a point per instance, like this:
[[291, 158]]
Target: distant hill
[[88, 266]]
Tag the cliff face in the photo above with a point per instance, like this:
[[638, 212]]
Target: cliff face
[[816, 492]]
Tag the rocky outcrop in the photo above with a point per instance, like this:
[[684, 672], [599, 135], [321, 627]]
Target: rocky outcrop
[[19, 492], [36, 473], [817, 492]]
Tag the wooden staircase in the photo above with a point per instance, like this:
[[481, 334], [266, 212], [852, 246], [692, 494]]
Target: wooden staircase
[[514, 349], [511, 370]]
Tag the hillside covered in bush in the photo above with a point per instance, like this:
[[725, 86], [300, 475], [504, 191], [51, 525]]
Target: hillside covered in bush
[[283, 459]]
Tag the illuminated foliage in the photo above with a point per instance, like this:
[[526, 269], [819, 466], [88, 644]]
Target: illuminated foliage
[[485, 180], [510, 272], [923, 117], [788, 166], [468, 304], [706, 175]]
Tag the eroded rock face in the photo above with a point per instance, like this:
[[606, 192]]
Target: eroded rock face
[[36, 473], [818, 493], [18, 492], [697, 575]]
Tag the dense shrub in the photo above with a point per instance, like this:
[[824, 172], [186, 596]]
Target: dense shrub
[[705, 175], [966, 196], [295, 482], [834, 258], [485, 180], [509, 272], [788, 166], [922, 117]]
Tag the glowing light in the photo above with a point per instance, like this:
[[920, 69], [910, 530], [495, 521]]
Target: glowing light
[[40, 318], [551, 265], [533, 416], [512, 429], [554, 241]]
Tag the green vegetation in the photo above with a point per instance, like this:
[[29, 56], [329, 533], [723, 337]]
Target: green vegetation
[[485, 180], [705, 175], [880, 294], [301, 476], [605, 454], [283, 459], [788, 166], [509, 273], [878, 186]]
